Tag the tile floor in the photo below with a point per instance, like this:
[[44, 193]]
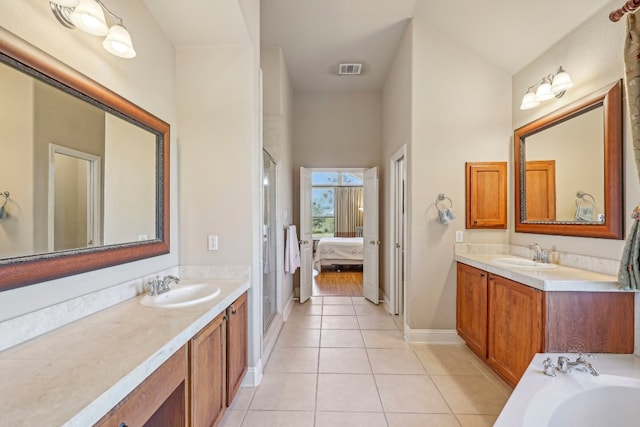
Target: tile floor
[[342, 361]]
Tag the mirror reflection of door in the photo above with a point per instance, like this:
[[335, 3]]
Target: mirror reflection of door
[[74, 209], [541, 190]]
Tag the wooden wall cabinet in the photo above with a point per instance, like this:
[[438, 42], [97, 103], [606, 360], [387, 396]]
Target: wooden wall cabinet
[[506, 322], [486, 195], [161, 400]]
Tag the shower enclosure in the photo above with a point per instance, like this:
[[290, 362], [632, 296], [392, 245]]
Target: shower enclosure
[[269, 251]]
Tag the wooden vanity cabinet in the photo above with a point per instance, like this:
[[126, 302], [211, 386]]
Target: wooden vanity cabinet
[[237, 345], [471, 308], [514, 327], [208, 374], [486, 195], [160, 401]]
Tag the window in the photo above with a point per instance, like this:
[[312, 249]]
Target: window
[[323, 212]]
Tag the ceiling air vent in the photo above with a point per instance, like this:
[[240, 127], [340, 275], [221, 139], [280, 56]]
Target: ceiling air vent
[[349, 69]]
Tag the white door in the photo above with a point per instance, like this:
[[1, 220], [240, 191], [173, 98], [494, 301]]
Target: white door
[[306, 239], [370, 236], [397, 219]]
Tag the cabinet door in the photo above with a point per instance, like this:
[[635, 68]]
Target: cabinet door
[[236, 345], [208, 375], [486, 195], [515, 322], [471, 308]]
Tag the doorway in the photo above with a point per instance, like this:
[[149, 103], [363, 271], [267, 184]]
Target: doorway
[[397, 215], [339, 232], [269, 241]]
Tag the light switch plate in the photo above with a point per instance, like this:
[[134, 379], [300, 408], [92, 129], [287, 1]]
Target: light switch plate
[[459, 236], [212, 242]]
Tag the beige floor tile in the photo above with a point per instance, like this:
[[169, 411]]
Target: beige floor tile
[[344, 361], [422, 420], [350, 419], [347, 392], [359, 300], [293, 360], [448, 359], [377, 322], [306, 309], [338, 310], [488, 372], [339, 322], [298, 337], [232, 418], [370, 310], [471, 394], [279, 419], [394, 361], [410, 393], [307, 322], [242, 399], [314, 300], [286, 392], [337, 300], [477, 420], [341, 338], [384, 339]]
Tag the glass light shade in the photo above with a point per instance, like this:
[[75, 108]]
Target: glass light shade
[[561, 81], [118, 42], [529, 101], [544, 93], [89, 17], [65, 3]]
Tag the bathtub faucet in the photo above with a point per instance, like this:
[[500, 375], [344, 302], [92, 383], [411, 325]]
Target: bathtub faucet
[[581, 364]]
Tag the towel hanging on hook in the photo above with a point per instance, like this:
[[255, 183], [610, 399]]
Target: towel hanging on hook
[[445, 214], [3, 209]]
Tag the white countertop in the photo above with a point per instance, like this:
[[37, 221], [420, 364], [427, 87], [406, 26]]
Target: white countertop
[[74, 375], [561, 278], [534, 381]]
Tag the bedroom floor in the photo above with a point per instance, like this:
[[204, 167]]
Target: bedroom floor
[[342, 362], [331, 282]]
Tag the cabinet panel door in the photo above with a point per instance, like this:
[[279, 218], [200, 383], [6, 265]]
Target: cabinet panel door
[[471, 308], [515, 322], [237, 325], [486, 191], [208, 376]]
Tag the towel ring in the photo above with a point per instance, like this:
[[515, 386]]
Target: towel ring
[[580, 195], [441, 198], [6, 198]]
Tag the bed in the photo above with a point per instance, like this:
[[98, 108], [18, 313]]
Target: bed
[[338, 251]]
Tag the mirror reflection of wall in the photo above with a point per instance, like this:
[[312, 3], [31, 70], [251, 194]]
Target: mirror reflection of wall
[[576, 148], [35, 115]]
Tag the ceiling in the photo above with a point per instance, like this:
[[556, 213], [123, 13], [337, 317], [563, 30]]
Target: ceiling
[[316, 35]]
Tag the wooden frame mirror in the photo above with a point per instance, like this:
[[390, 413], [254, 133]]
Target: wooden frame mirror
[[40, 263], [593, 207]]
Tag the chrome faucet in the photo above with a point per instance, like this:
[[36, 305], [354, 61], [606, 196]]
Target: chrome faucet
[[159, 286], [581, 364], [539, 254]]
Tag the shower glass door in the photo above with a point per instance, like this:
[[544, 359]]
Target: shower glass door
[[269, 276]]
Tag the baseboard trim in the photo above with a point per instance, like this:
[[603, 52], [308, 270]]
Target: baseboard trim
[[432, 336], [253, 378], [287, 308]]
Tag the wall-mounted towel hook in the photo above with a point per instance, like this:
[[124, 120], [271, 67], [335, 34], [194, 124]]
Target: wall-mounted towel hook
[[441, 198]]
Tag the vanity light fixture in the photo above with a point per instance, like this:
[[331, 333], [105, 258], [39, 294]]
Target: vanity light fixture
[[88, 16], [548, 87]]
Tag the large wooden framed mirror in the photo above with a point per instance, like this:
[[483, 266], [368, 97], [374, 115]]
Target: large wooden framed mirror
[[568, 169], [85, 170]]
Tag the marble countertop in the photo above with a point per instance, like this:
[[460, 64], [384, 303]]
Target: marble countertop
[[74, 375], [535, 384], [561, 278]]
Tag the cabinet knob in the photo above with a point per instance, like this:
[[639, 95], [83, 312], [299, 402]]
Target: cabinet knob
[[123, 425], [233, 309], [225, 317], [481, 274]]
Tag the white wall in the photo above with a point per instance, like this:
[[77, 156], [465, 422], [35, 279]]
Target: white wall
[[32, 20], [592, 54], [277, 140], [460, 112]]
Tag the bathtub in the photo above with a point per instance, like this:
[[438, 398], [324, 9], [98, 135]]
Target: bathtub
[[577, 398]]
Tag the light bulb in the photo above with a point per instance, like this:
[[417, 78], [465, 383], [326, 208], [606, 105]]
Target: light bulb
[[543, 93], [89, 17], [118, 42], [561, 81], [529, 101]]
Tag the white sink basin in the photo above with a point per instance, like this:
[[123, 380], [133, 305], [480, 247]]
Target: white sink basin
[[182, 296], [524, 263]]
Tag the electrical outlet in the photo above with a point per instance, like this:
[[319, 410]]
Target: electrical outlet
[[459, 236], [213, 242]]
